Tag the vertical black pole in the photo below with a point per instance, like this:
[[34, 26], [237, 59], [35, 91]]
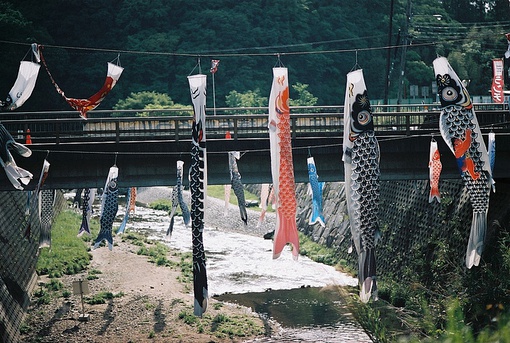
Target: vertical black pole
[[403, 55], [388, 55]]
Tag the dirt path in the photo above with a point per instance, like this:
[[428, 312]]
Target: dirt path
[[149, 309], [154, 306]]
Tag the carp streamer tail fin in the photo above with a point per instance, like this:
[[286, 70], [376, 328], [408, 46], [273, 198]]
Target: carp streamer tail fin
[[84, 227], [244, 214], [170, 229], [476, 239], [16, 175], [20, 149], [286, 232], [316, 217], [45, 238], [434, 194], [200, 289], [367, 275], [122, 226], [106, 235], [186, 216]]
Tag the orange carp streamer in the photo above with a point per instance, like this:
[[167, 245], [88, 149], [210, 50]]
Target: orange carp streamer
[[281, 165]]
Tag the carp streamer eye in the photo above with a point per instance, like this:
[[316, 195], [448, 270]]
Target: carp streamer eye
[[364, 117], [449, 94]]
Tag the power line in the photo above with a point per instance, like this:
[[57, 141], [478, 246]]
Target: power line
[[241, 54], [448, 38]]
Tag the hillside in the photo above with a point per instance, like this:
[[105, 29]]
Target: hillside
[[161, 42]]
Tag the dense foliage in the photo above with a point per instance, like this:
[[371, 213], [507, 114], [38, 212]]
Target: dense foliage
[[160, 43]]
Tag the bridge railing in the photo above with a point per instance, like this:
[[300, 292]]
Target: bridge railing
[[238, 123]]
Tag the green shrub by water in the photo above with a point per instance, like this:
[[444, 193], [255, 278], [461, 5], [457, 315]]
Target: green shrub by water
[[322, 254], [221, 325], [439, 300]]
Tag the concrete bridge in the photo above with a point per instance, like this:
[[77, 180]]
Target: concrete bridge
[[145, 144]]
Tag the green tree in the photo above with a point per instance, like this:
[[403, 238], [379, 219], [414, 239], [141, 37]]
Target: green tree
[[304, 98], [148, 100], [418, 72], [246, 99], [160, 43]]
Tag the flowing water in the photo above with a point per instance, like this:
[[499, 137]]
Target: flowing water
[[241, 270]]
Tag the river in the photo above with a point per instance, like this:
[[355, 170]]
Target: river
[[300, 296]]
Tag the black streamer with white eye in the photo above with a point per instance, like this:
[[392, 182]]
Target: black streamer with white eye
[[449, 90], [361, 116], [449, 94], [364, 117]]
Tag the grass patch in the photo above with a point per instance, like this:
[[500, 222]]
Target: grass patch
[[186, 265], [322, 254], [188, 318], [42, 296], [134, 238], [93, 274], [157, 253], [54, 285], [221, 325], [163, 205], [218, 191], [68, 255], [102, 297]]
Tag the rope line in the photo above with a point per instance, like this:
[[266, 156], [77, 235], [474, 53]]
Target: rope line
[[180, 153]]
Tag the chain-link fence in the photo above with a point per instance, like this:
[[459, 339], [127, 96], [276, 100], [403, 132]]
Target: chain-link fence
[[20, 228], [411, 227]]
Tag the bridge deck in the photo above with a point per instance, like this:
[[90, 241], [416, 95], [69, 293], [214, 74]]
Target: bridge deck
[[146, 148]]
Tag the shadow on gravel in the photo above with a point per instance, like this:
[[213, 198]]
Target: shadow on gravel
[[159, 318], [59, 315], [107, 317]]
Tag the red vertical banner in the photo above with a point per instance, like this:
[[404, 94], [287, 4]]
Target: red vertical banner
[[498, 81]]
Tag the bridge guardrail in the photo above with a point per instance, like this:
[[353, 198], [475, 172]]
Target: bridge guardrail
[[250, 122]]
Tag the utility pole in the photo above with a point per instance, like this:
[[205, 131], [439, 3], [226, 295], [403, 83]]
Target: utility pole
[[388, 55], [404, 52]]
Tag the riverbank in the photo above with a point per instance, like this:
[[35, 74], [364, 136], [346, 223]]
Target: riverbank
[[150, 303], [143, 302]]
